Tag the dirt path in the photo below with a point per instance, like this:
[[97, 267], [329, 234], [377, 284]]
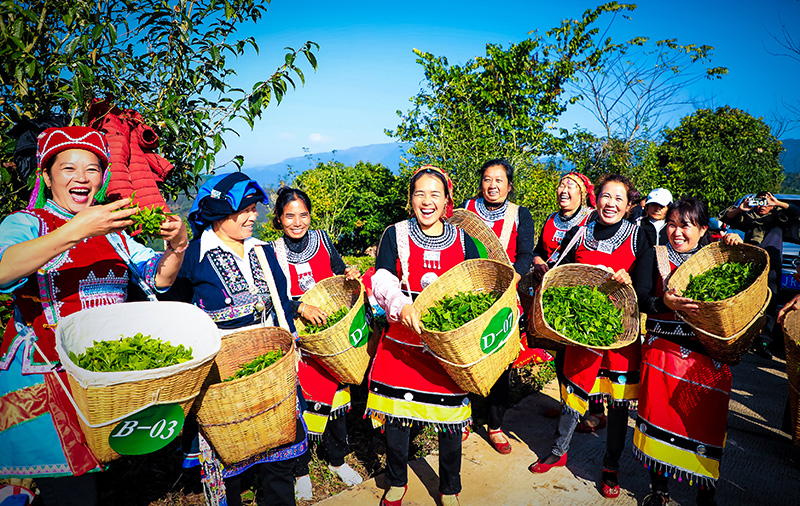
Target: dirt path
[[760, 464]]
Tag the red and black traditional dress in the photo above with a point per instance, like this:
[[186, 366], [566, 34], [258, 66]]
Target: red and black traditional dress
[[610, 374], [554, 229], [406, 384], [305, 262], [684, 394], [39, 430]]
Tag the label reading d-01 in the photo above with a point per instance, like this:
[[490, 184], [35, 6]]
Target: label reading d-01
[[497, 331], [359, 331], [148, 430]]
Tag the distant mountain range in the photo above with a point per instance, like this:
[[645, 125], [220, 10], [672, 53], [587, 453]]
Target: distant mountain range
[[388, 154]]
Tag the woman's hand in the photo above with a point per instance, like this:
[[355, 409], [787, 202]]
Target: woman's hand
[[678, 303], [539, 270], [622, 276], [173, 231], [409, 316], [352, 272], [732, 239], [792, 305], [313, 314], [102, 219]]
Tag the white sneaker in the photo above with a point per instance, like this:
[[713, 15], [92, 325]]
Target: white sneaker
[[303, 491], [347, 474]]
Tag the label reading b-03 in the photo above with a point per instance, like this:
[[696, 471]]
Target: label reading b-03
[[148, 430]]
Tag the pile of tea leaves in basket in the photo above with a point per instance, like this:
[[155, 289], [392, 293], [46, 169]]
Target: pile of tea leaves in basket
[[452, 312], [583, 314], [130, 354], [723, 281], [332, 320], [258, 364]]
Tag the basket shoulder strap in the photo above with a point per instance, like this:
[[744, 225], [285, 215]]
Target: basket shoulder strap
[[662, 261], [403, 252], [508, 223], [574, 242], [283, 261], [273, 290]]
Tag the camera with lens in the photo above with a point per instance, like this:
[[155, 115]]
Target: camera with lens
[[757, 201]]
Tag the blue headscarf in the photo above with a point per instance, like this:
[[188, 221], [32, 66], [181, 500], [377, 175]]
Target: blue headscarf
[[222, 196]]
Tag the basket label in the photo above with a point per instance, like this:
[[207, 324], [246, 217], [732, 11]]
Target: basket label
[[498, 330], [359, 331], [148, 430]]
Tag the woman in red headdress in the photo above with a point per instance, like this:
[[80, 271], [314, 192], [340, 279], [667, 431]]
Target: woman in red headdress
[[406, 385], [60, 255]]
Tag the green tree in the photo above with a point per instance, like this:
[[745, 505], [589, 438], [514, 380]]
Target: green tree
[[353, 204], [169, 61], [720, 155], [504, 104]]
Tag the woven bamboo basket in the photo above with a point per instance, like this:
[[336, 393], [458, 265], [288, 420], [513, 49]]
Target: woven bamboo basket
[[461, 351], [623, 297], [791, 336], [342, 350], [250, 415], [724, 326], [476, 228], [105, 399]]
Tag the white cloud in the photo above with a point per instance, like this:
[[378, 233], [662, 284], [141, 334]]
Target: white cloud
[[317, 138]]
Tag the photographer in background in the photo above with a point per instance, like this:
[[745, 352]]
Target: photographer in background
[[763, 219], [654, 219]]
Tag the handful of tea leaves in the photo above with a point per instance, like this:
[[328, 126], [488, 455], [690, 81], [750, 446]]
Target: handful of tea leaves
[[332, 320], [258, 364], [721, 282], [583, 314], [147, 221], [130, 354], [452, 312]]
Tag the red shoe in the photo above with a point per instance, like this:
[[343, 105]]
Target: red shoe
[[540, 467], [585, 428], [609, 491], [503, 448], [464, 433], [398, 502]]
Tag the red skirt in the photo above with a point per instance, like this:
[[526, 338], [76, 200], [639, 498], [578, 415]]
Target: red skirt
[[683, 411], [609, 374], [409, 385]]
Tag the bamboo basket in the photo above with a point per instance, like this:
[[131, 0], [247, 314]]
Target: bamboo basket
[[250, 415], [476, 228], [726, 327], [460, 351], [791, 336], [623, 297], [342, 350], [104, 399]]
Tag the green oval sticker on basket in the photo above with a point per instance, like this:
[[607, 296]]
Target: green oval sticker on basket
[[359, 331], [497, 331], [148, 430]]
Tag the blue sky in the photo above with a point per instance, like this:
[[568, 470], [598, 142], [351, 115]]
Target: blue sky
[[367, 69]]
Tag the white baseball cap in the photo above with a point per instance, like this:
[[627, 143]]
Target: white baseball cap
[[660, 196]]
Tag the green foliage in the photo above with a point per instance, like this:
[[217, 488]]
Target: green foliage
[[330, 321], [259, 363], [130, 354], [501, 105], [353, 204], [451, 313], [721, 282], [169, 61], [719, 155], [583, 314], [361, 262]]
